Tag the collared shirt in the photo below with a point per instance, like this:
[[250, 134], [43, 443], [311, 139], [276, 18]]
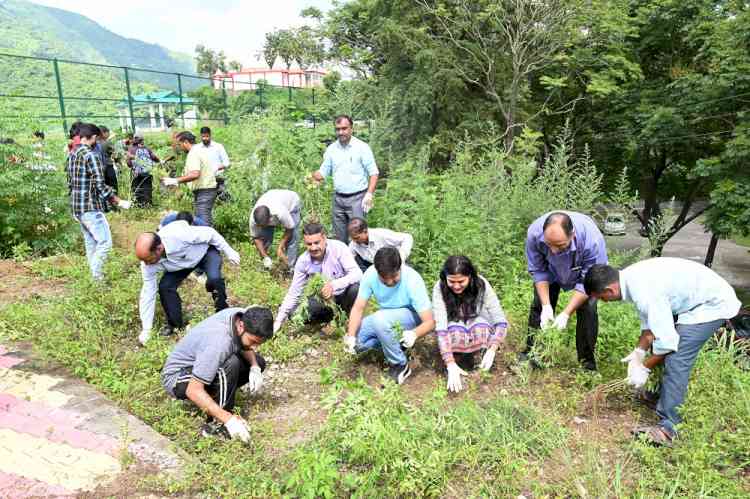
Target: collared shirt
[[198, 160], [351, 165], [569, 267], [216, 154], [383, 238], [204, 349], [185, 246], [409, 292], [86, 186], [338, 266], [281, 203], [661, 288]]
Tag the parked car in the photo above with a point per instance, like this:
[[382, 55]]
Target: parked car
[[614, 224]]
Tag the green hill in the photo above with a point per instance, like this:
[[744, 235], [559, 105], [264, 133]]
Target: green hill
[[29, 29]]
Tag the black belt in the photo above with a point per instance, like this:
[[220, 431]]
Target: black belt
[[351, 194]]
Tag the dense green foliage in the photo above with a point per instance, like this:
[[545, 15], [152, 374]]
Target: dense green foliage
[[506, 435]]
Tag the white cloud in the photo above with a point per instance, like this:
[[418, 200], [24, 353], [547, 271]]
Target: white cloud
[[237, 27]]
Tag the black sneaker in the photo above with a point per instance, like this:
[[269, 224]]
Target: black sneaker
[[167, 330], [407, 352], [399, 373], [526, 357], [589, 365], [214, 429]]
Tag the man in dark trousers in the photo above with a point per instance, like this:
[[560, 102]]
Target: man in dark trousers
[[176, 250], [214, 359]]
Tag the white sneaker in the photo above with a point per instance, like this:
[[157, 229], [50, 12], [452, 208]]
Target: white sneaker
[[143, 337]]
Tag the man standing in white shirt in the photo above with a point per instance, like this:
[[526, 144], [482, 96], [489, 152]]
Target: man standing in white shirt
[[176, 250], [661, 289], [366, 241], [277, 208], [219, 159], [355, 175]]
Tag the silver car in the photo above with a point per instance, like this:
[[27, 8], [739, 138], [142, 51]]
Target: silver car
[[614, 224]]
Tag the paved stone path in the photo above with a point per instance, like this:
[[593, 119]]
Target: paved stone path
[[59, 437]]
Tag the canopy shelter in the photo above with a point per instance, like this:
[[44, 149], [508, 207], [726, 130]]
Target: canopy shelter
[[160, 104]]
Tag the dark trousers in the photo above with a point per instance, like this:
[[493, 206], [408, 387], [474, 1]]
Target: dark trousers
[[363, 264], [110, 177], [203, 204], [320, 313], [587, 324], [232, 374], [170, 299], [142, 188]]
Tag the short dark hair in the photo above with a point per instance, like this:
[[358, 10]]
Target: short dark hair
[[563, 219], [599, 277], [258, 321], [86, 130], [357, 225], [155, 243], [186, 216], [313, 228], [186, 137], [74, 128], [39, 134], [262, 215], [205, 129], [387, 261], [341, 117], [103, 129]]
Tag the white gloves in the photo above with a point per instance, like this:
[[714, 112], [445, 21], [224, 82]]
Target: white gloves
[[367, 202], [238, 428], [561, 321], [487, 360], [267, 262], [349, 343], [408, 338], [255, 380], [233, 257], [168, 181], [144, 337], [637, 372], [548, 316], [124, 205], [454, 377]]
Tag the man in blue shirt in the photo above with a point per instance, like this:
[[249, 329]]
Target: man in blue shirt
[[560, 249], [662, 289], [403, 304], [351, 163]]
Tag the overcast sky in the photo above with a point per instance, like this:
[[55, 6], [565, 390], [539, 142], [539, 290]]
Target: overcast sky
[[238, 27]]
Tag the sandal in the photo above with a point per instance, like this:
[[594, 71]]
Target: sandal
[[655, 435]]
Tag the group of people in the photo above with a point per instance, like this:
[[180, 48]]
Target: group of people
[[680, 303]]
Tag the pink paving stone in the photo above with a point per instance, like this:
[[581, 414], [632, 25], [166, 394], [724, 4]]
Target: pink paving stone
[[55, 425], [19, 487], [8, 361]]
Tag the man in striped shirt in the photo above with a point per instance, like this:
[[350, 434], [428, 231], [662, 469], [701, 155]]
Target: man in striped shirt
[[88, 197]]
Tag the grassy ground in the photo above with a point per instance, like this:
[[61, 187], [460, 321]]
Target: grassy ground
[[327, 425]]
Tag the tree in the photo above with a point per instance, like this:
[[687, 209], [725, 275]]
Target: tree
[[208, 61], [235, 65], [500, 45]]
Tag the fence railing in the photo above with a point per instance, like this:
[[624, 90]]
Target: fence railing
[[133, 98]]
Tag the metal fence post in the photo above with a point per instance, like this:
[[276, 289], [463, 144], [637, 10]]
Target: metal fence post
[[182, 104], [261, 95], [290, 94], [224, 97], [130, 99], [313, 96], [60, 97]]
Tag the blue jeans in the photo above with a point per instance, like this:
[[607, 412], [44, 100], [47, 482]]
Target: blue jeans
[[97, 239], [266, 235], [677, 368], [376, 332]]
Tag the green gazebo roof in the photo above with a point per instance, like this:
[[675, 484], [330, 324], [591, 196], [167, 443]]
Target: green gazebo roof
[[158, 97]]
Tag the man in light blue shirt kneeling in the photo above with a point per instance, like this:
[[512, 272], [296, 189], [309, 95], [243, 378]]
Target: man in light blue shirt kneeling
[[661, 289], [403, 304]]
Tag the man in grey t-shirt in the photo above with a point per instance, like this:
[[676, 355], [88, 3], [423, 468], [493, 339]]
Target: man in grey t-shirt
[[215, 358]]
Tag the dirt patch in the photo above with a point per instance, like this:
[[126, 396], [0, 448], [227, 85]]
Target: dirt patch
[[18, 283]]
